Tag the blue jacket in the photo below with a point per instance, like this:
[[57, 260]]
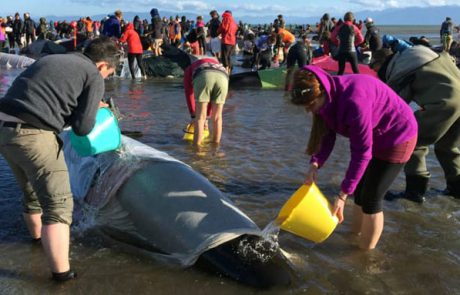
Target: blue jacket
[[112, 27]]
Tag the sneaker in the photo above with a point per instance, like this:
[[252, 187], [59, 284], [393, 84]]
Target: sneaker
[[37, 241], [64, 276]]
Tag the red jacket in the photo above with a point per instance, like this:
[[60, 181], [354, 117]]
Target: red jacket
[[228, 29], [132, 38]]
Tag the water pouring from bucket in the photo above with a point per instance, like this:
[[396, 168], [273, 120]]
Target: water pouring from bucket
[[308, 214]]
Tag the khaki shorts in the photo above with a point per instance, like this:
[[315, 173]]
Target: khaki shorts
[[157, 43], [37, 161], [210, 85]]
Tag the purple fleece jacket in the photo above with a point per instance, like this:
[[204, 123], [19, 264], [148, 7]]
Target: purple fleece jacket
[[369, 113]]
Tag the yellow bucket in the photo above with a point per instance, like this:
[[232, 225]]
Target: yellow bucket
[[189, 131], [308, 214]]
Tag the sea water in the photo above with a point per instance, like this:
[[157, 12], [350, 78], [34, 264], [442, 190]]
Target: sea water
[[259, 165]]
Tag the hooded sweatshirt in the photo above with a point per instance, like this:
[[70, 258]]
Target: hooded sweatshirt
[[2, 33], [132, 38], [432, 81], [369, 113], [228, 29], [112, 27]]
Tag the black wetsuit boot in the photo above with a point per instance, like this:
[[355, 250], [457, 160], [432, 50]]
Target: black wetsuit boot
[[453, 189], [416, 187]]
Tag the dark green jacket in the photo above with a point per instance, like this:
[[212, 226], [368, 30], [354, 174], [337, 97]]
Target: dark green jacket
[[432, 81]]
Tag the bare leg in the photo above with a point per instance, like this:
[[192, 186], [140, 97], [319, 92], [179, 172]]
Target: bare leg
[[34, 224], [371, 230], [357, 219], [201, 110], [217, 122], [289, 75], [55, 241]]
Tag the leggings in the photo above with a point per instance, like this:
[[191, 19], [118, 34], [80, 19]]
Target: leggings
[[350, 57], [138, 57], [202, 41], [374, 184], [227, 51]]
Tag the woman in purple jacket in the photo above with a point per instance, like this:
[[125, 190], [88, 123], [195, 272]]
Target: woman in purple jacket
[[382, 131]]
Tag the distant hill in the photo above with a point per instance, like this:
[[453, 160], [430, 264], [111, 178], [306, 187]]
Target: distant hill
[[394, 16], [413, 15]]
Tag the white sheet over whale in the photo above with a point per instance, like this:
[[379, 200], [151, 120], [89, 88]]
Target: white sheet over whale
[[152, 201]]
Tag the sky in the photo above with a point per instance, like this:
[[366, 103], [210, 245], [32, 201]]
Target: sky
[[39, 8]]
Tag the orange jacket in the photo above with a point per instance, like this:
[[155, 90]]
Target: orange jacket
[[288, 37], [89, 25]]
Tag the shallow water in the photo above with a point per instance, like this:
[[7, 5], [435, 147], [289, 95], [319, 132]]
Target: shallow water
[[259, 164]]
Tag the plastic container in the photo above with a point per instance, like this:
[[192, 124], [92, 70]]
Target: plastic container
[[308, 214], [105, 136], [189, 131]]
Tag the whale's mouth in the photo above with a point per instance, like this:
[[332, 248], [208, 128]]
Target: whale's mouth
[[264, 268], [256, 249]]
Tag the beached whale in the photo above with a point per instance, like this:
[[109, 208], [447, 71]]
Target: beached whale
[[275, 78], [160, 206], [15, 61], [272, 78]]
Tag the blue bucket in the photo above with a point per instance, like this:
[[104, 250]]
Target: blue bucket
[[105, 136]]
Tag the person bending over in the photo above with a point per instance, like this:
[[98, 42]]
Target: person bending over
[[382, 131], [57, 91], [432, 81], [206, 82]]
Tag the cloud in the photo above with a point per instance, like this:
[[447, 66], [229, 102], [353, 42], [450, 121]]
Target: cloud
[[384, 4], [253, 8], [137, 5], [192, 6]]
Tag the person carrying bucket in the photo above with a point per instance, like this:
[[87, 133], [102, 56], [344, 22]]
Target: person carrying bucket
[[382, 131], [56, 91]]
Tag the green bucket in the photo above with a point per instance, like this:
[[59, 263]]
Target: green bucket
[[105, 136]]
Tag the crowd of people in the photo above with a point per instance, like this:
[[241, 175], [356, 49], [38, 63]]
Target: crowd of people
[[385, 134]]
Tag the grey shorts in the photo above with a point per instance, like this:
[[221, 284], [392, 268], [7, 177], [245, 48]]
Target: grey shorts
[[210, 85], [37, 161]]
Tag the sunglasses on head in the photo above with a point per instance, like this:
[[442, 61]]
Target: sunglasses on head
[[301, 91]]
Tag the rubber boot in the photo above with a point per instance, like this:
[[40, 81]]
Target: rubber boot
[[453, 189], [416, 187]]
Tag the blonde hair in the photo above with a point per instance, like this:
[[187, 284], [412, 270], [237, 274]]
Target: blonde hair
[[306, 88]]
